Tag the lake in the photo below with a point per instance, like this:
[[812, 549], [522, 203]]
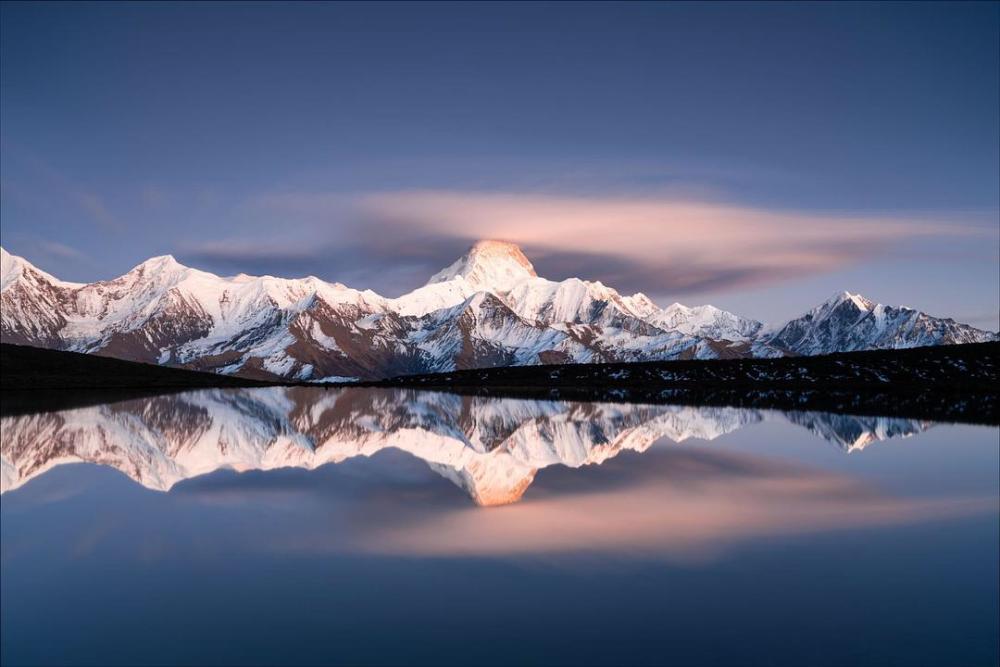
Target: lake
[[377, 526]]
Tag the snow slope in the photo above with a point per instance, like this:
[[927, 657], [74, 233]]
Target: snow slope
[[488, 308]]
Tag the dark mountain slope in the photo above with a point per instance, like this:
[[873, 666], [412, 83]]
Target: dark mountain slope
[[23, 367], [34, 379], [948, 382]]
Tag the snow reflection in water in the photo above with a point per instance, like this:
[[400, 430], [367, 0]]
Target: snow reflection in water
[[696, 551], [490, 447]]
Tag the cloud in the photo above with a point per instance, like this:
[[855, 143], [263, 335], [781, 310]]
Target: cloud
[[60, 251], [361, 262], [94, 205], [653, 244], [243, 251], [46, 183], [664, 245], [680, 504]]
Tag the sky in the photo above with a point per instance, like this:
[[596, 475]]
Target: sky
[[759, 157]]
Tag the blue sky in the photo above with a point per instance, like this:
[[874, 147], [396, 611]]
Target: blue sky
[[755, 156]]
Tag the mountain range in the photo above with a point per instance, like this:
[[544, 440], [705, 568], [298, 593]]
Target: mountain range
[[492, 448], [489, 308]]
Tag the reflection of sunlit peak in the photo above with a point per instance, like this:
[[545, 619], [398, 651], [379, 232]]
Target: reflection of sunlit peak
[[491, 485], [863, 441], [490, 447], [684, 503]]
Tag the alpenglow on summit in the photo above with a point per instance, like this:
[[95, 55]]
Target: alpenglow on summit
[[489, 308]]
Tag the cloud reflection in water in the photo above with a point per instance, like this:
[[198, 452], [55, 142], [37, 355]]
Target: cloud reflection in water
[[606, 487]]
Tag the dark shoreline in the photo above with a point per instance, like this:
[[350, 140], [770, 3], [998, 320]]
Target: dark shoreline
[[944, 383], [957, 383], [972, 367], [39, 380], [969, 408], [24, 368]]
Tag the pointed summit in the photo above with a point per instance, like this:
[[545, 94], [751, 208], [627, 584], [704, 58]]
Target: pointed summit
[[859, 302], [160, 262], [488, 264], [164, 266]]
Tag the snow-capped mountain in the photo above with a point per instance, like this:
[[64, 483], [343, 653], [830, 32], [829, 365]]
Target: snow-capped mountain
[[488, 308], [705, 321], [490, 447], [848, 322]]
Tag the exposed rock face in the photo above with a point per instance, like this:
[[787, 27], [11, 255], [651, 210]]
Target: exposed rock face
[[489, 308]]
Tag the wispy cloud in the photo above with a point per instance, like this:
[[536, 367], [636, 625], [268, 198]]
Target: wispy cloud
[[94, 205], [47, 179], [60, 250], [655, 244], [680, 505], [392, 241]]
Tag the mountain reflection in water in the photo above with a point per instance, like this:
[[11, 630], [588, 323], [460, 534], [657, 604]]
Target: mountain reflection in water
[[767, 546], [490, 447]]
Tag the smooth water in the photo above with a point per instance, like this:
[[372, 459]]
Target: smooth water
[[359, 526]]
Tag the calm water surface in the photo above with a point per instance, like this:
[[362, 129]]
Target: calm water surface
[[304, 526]]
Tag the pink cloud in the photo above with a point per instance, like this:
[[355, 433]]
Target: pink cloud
[[655, 243], [684, 505], [662, 245]]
